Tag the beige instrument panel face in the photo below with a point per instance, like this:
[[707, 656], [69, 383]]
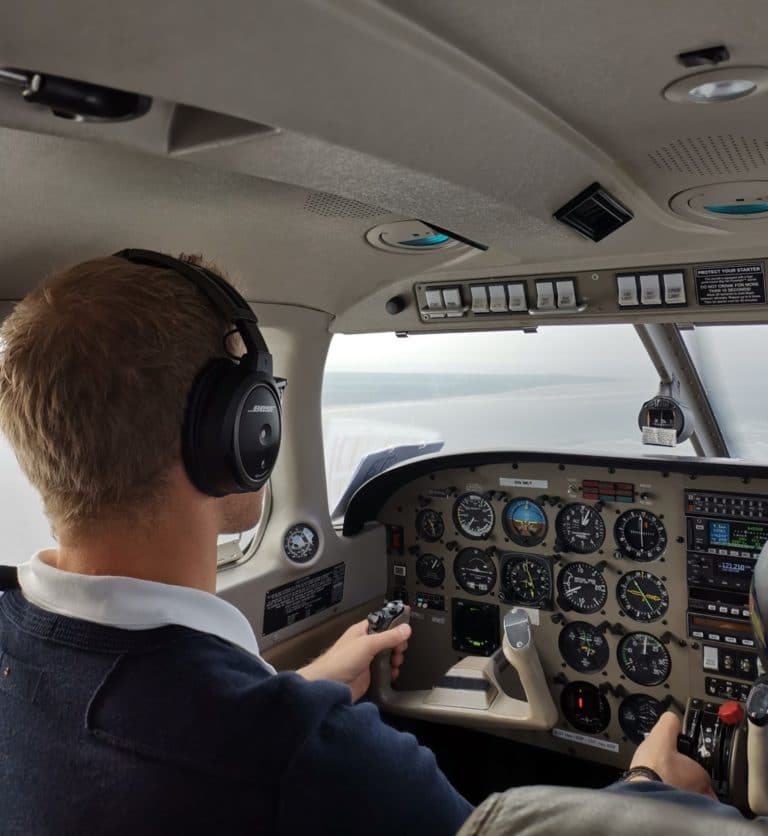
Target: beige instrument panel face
[[427, 562]]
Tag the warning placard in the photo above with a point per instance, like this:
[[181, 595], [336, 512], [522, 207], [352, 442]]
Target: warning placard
[[730, 284], [299, 599]]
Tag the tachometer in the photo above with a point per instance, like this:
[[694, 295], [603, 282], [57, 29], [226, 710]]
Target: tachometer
[[525, 522], [430, 570], [474, 571], [582, 588], [474, 516], [644, 659], [585, 708], [638, 714], [430, 525], [640, 535], [583, 647], [526, 581], [642, 596], [580, 528]]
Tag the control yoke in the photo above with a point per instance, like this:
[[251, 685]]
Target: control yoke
[[520, 651]]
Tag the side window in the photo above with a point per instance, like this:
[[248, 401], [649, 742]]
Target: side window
[[24, 525]]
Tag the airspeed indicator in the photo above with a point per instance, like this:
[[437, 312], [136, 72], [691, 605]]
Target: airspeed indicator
[[474, 516]]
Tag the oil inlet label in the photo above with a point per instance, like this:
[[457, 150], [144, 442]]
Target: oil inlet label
[[299, 599], [596, 743], [730, 284]]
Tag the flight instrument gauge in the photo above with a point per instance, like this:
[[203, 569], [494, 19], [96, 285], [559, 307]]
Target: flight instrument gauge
[[474, 516], [301, 543], [638, 714], [642, 596], [474, 571], [430, 525], [430, 570], [644, 659], [525, 522], [640, 535], [583, 647], [526, 581], [585, 708], [581, 588], [580, 528]]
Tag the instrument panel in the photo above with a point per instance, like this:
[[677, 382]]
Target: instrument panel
[[635, 581]]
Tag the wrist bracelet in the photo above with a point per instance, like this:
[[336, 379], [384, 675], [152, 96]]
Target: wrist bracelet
[[641, 771]]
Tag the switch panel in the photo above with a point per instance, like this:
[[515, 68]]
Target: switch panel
[[545, 296], [498, 298], [650, 289], [452, 297], [479, 299], [517, 297], [627, 286], [674, 288], [566, 294]]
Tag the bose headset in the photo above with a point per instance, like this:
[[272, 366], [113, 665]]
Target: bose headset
[[233, 422]]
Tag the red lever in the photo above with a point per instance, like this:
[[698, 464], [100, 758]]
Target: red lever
[[731, 713]]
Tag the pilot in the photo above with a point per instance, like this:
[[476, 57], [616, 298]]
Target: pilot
[[132, 698]]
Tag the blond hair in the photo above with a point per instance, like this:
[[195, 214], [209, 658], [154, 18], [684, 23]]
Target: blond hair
[[96, 365]]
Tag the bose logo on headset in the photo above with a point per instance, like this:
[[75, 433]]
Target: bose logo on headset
[[224, 453]]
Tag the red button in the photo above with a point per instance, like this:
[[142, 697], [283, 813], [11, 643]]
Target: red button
[[731, 713]]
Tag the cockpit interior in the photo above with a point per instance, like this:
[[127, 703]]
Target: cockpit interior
[[510, 258]]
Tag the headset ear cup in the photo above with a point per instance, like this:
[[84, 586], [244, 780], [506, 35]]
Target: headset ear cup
[[206, 392], [232, 429]]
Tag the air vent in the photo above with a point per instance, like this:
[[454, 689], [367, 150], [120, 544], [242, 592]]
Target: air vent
[[594, 213], [710, 156], [334, 206]]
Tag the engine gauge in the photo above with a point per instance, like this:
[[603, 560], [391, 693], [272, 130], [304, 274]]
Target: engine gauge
[[642, 596], [525, 522], [430, 525], [580, 528], [638, 714], [526, 581], [583, 647], [582, 588], [585, 708], [640, 535], [474, 571], [644, 659], [430, 570], [301, 543], [474, 516]]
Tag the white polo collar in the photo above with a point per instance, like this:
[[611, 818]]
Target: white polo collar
[[134, 604]]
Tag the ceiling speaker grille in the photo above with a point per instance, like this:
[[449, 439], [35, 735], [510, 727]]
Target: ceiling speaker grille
[[708, 156], [333, 206]]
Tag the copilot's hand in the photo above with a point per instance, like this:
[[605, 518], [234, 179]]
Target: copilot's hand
[[659, 752], [349, 660]]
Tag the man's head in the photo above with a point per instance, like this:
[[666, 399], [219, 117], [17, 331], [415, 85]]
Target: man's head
[[96, 366]]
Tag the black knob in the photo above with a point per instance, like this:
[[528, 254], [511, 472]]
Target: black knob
[[395, 305], [451, 546], [557, 618], [601, 565], [415, 550], [424, 501], [491, 551]]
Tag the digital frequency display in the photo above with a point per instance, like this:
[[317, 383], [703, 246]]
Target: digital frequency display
[[746, 537], [709, 623], [731, 568]]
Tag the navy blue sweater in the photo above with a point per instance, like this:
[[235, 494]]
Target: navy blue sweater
[[170, 730]]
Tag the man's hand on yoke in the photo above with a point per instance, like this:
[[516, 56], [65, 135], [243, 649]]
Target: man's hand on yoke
[[349, 660]]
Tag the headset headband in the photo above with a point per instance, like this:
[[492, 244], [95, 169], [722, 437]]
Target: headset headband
[[225, 299]]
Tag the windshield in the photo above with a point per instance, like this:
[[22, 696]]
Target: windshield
[[729, 359], [564, 388]]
